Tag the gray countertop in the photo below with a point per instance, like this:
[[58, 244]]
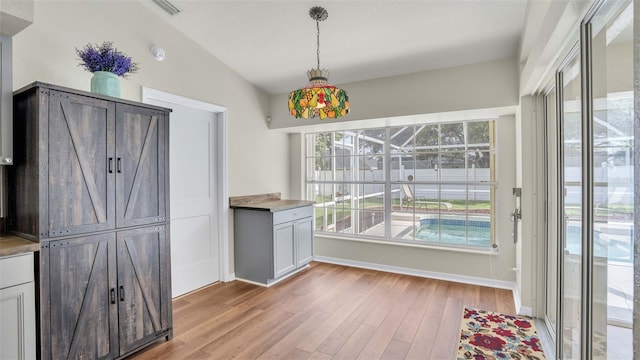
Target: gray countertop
[[273, 205]]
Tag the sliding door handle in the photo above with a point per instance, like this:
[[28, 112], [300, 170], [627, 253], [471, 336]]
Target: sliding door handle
[[113, 295], [121, 293], [119, 165], [515, 216], [110, 165]]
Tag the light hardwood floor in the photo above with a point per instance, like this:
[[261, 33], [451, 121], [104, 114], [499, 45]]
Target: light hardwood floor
[[326, 312]]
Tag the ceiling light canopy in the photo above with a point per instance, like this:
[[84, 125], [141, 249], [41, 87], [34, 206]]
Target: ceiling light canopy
[[318, 98]]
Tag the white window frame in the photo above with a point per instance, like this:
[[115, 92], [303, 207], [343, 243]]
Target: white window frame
[[310, 183]]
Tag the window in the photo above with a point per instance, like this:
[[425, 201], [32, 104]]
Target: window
[[425, 184]]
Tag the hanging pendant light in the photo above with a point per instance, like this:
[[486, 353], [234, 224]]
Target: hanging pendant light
[[318, 98]]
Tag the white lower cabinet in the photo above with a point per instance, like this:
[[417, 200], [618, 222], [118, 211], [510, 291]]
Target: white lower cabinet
[[284, 249], [17, 308], [293, 245], [304, 235], [272, 244]]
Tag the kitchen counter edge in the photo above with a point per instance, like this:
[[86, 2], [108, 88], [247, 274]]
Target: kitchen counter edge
[[274, 205], [13, 245]]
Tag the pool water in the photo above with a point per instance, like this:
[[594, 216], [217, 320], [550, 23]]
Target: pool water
[[613, 250], [455, 232], [478, 233]]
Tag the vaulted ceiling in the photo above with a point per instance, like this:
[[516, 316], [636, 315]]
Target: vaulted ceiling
[[272, 43]]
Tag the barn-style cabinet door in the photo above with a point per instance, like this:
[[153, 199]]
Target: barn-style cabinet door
[[80, 166], [141, 165], [90, 184], [143, 286], [79, 317]]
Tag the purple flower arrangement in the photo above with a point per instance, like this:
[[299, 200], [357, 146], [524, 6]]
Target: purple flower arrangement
[[106, 58]]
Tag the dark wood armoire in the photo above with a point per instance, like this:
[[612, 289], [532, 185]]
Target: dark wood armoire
[[90, 182]]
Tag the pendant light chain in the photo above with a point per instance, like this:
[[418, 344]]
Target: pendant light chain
[[318, 14], [318, 42]]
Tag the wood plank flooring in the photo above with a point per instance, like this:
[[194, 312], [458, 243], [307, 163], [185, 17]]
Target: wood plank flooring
[[325, 312]]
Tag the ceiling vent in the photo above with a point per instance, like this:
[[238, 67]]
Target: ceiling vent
[[167, 6]]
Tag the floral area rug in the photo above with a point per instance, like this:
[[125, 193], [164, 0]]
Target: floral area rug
[[493, 336]]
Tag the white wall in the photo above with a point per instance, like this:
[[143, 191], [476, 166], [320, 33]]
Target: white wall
[[485, 90], [532, 226], [485, 85], [15, 16], [550, 30], [45, 51]]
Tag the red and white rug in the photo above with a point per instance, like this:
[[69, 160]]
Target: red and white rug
[[493, 336]]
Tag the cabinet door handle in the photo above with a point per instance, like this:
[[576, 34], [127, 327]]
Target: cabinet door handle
[[121, 293], [110, 165], [113, 296], [119, 163]]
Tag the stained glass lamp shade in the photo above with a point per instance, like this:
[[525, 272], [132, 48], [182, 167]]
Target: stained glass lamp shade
[[318, 98]]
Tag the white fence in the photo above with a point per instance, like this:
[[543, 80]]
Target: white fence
[[447, 192], [613, 185]]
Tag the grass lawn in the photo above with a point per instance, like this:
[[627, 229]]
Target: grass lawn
[[342, 209]]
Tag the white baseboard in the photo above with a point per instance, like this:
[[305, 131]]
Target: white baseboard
[[472, 280], [525, 310], [251, 282], [275, 282], [521, 310]]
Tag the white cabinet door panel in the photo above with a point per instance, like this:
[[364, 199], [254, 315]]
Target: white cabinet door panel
[[284, 249], [18, 322], [304, 230]]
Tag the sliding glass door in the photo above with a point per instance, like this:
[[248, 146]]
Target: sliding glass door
[[611, 44], [553, 235], [571, 175], [590, 217]]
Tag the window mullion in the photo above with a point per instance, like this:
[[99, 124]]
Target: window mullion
[[355, 188], [333, 177], [387, 184]]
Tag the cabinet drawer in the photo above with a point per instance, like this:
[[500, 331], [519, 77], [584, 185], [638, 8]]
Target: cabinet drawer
[[16, 270], [283, 216]]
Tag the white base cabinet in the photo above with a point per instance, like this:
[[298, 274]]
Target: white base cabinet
[[17, 308], [272, 244], [304, 236]]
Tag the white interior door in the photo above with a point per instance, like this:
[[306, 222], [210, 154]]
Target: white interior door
[[194, 220]]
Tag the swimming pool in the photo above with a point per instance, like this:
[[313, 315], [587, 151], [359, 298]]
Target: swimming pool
[[478, 233], [620, 249], [455, 231]]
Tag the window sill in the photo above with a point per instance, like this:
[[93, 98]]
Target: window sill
[[451, 248]]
